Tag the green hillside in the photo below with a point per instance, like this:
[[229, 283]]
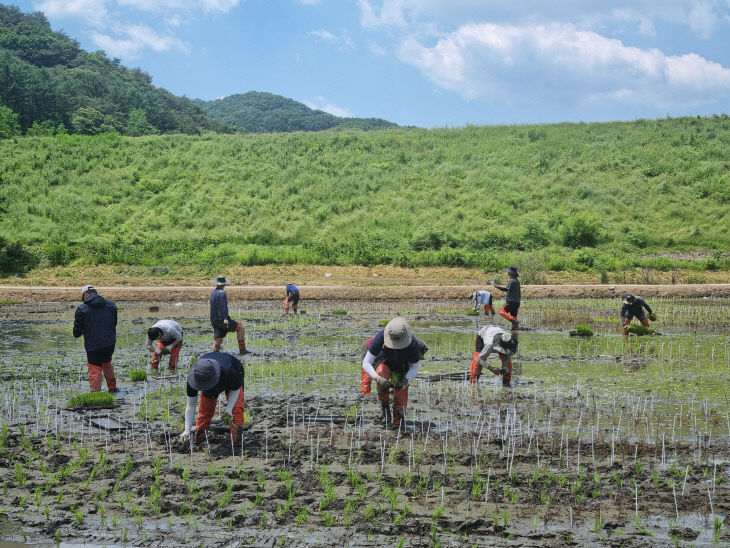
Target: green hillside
[[261, 112], [599, 197], [52, 85]]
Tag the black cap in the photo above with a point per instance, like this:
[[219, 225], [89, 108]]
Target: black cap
[[505, 343], [204, 374]]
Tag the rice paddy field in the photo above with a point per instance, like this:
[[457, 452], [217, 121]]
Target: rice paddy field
[[601, 440]]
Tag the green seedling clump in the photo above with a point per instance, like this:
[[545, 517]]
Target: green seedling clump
[[584, 330], [339, 312], [472, 312], [92, 399], [138, 375], [640, 330]]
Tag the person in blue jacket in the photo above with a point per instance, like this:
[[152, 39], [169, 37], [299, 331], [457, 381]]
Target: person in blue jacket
[[292, 298], [96, 320]]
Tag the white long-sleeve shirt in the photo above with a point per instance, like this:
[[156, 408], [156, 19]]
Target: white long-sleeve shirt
[[171, 331], [487, 333]]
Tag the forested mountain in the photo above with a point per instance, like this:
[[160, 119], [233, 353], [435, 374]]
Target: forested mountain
[[261, 112], [53, 85]]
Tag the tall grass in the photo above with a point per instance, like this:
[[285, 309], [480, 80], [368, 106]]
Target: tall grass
[[591, 197]]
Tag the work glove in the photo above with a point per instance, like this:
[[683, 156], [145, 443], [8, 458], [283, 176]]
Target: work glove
[[158, 351], [227, 419], [383, 383], [652, 316], [225, 322], [199, 436], [185, 435]]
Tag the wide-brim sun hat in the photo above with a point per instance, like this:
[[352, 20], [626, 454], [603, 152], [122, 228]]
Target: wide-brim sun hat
[[505, 343], [397, 334], [204, 374], [512, 270], [220, 280]]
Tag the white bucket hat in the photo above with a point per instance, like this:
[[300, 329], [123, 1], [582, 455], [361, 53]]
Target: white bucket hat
[[220, 280], [505, 343], [398, 334]]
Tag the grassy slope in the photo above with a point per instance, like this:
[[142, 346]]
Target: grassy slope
[[467, 196]]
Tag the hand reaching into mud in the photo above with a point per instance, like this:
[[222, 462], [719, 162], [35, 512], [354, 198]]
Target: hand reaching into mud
[[227, 419]]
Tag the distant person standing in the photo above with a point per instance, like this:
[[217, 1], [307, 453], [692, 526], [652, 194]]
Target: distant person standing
[[482, 298], [512, 298], [96, 320], [292, 298], [633, 307], [220, 319], [169, 337]]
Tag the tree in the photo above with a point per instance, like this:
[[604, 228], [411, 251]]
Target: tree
[[9, 125], [138, 125], [89, 121]]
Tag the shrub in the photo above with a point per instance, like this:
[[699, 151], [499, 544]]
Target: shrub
[[581, 230], [138, 375], [15, 258], [92, 399]]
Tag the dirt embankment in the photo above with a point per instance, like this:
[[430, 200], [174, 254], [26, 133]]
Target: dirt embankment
[[341, 292]]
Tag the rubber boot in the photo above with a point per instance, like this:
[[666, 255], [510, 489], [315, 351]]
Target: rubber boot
[[286, 305], [94, 377], [217, 342], [111, 380], [476, 369], [510, 318], [241, 340]]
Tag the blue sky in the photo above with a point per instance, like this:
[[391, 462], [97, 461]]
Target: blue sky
[[429, 63]]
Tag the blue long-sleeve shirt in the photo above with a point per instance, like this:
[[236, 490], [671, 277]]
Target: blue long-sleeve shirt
[[218, 306]]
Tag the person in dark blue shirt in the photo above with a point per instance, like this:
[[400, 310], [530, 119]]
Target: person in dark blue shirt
[[392, 362], [292, 297], [633, 307], [211, 375], [96, 320], [220, 319]]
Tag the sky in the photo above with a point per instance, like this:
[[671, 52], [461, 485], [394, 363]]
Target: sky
[[427, 63]]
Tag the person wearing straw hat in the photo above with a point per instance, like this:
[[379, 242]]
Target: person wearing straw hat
[[169, 337], [633, 307], [392, 362], [482, 298], [96, 320], [492, 338], [292, 298], [212, 374], [220, 319], [512, 298]]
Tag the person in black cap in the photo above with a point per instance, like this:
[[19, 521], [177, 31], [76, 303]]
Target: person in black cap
[[633, 307], [96, 320], [220, 319], [512, 298], [391, 361], [492, 338], [212, 374]]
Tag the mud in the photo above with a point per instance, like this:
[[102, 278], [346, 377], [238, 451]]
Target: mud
[[563, 457]]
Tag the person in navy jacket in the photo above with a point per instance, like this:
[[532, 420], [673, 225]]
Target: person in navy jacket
[[96, 320]]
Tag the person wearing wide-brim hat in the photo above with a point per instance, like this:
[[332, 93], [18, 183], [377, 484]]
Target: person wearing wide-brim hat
[[220, 319], [392, 361], [633, 307], [512, 298], [493, 339], [212, 374]]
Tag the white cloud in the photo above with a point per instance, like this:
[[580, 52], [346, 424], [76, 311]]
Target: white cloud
[[561, 64], [320, 103], [222, 6], [700, 16], [136, 38], [343, 41], [91, 11]]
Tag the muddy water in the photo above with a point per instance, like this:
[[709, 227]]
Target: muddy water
[[588, 446]]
